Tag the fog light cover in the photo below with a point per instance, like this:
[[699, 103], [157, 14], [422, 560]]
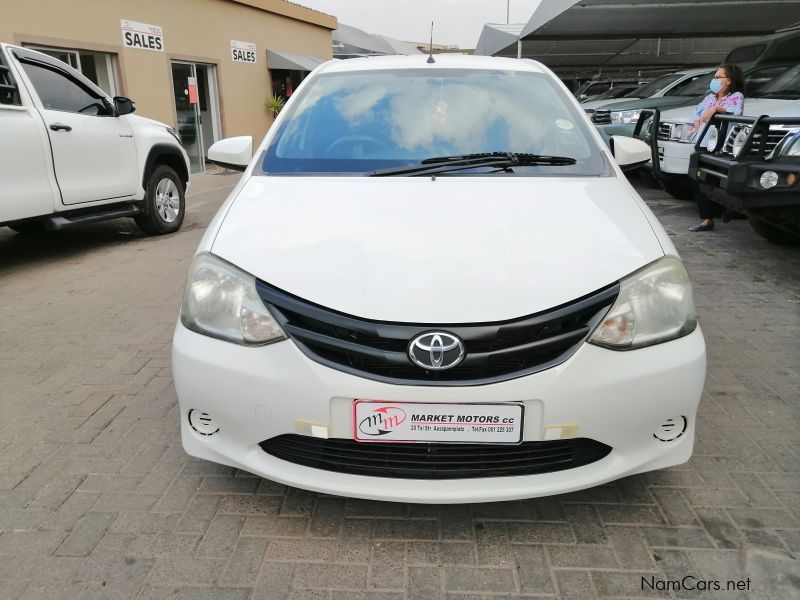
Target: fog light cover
[[202, 422], [769, 179], [671, 429]]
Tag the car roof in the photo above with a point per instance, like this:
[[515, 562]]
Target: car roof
[[695, 71], [442, 61]]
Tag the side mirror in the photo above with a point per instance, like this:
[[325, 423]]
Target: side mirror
[[123, 105], [232, 153], [582, 97], [629, 152]]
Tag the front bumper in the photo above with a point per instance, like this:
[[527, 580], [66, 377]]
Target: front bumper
[[618, 398], [737, 180], [673, 157]]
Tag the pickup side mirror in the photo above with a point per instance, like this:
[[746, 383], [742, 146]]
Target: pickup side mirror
[[123, 105], [232, 153], [629, 152]]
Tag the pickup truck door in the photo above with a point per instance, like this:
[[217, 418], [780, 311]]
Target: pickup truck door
[[26, 185], [94, 152]]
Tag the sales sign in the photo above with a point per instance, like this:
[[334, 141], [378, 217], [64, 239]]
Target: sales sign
[[243, 52], [142, 36]]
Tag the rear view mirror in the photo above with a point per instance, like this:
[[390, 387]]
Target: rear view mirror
[[232, 153], [629, 152], [123, 105]]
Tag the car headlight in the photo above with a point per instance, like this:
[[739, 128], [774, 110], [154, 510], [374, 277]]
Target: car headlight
[[712, 139], [647, 127], [221, 301], [654, 305], [625, 116], [685, 132], [174, 133], [792, 146], [739, 140]]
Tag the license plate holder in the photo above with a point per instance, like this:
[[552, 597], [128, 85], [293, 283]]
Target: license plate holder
[[420, 422]]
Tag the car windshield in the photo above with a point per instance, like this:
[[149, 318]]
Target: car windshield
[[784, 86], [618, 92], [699, 87], [361, 121], [655, 86]]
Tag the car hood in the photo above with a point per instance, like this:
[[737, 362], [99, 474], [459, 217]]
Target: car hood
[[753, 107], [449, 250], [660, 102]]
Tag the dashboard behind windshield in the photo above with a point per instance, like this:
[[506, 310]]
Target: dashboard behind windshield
[[361, 121]]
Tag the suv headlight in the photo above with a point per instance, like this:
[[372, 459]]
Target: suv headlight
[[712, 139], [654, 305], [685, 132], [174, 133], [792, 146], [739, 140], [221, 301], [625, 116]]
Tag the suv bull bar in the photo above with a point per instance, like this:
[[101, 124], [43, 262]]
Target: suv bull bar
[[650, 138], [735, 181]]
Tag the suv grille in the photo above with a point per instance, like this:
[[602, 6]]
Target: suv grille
[[774, 136], [493, 351], [601, 117], [664, 131], [435, 460]]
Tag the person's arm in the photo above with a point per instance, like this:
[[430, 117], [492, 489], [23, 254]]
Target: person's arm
[[698, 112]]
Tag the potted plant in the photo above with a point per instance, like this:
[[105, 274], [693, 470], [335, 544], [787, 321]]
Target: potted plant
[[274, 104]]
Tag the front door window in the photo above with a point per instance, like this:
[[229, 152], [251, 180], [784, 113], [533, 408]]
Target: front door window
[[97, 67]]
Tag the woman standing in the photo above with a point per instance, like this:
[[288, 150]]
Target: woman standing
[[727, 96]]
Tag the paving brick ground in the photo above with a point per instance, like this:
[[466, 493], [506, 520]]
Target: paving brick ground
[[98, 500]]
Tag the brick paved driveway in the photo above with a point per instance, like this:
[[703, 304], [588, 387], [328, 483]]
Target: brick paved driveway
[[97, 498]]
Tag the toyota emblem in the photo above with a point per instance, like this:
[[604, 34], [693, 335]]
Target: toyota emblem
[[436, 350]]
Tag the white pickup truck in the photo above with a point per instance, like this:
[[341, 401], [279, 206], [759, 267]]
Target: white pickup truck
[[69, 154]]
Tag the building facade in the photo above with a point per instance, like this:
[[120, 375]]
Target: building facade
[[202, 66]]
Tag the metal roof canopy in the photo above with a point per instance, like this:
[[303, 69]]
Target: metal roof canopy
[[292, 62], [586, 36]]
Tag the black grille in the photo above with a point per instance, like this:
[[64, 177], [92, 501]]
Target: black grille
[[493, 351], [435, 461], [601, 117], [664, 131], [774, 136]]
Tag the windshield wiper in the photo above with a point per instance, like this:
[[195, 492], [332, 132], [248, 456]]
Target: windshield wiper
[[459, 162]]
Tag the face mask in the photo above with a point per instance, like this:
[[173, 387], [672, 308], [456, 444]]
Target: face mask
[[715, 85]]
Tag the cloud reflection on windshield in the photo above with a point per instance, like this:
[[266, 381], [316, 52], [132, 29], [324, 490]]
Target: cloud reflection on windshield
[[425, 115]]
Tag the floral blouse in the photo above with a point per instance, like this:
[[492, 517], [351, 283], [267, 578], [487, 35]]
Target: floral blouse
[[732, 104]]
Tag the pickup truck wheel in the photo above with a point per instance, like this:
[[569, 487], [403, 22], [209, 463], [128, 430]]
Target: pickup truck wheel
[[773, 234], [164, 202]]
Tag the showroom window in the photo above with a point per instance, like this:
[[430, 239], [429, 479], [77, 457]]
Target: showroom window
[[97, 67]]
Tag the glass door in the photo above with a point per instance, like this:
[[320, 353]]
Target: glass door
[[197, 109], [184, 82]]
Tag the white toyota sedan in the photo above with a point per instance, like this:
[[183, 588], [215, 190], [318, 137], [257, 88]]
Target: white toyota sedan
[[433, 283]]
